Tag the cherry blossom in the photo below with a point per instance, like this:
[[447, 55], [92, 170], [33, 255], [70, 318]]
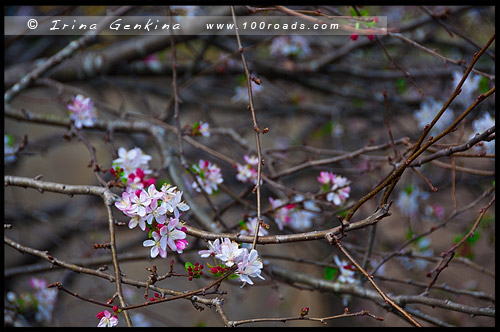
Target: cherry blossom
[[248, 172], [81, 111], [301, 220], [479, 126], [132, 160], [175, 204], [229, 252], [45, 299], [209, 175], [157, 212], [290, 46], [125, 204], [201, 128], [158, 244], [281, 214], [249, 265], [346, 271], [324, 177], [173, 235], [249, 228], [339, 190], [106, 320], [137, 220], [140, 201], [214, 248]]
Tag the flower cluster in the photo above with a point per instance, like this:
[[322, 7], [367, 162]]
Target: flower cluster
[[428, 110], [291, 214], [81, 111], [480, 125], [248, 172], [152, 207], [290, 47], [194, 271], [208, 175], [336, 186], [248, 264]]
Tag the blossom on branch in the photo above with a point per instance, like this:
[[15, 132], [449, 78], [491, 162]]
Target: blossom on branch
[[131, 160], [81, 111], [209, 175], [346, 271], [106, 320], [339, 190], [481, 125], [249, 265], [296, 47], [248, 172]]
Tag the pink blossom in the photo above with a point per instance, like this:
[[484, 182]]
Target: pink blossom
[[106, 319], [132, 160], [140, 202], [209, 176], [324, 177], [249, 228], [214, 249], [82, 111], [248, 172], [125, 204], [249, 266], [158, 244], [339, 190], [157, 212], [137, 220], [229, 252], [346, 271]]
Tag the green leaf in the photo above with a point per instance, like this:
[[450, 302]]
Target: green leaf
[[409, 233], [484, 85], [364, 12], [242, 79], [474, 237], [353, 12], [188, 265], [409, 189], [233, 276], [401, 85], [241, 223], [10, 140], [330, 273], [324, 130]]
